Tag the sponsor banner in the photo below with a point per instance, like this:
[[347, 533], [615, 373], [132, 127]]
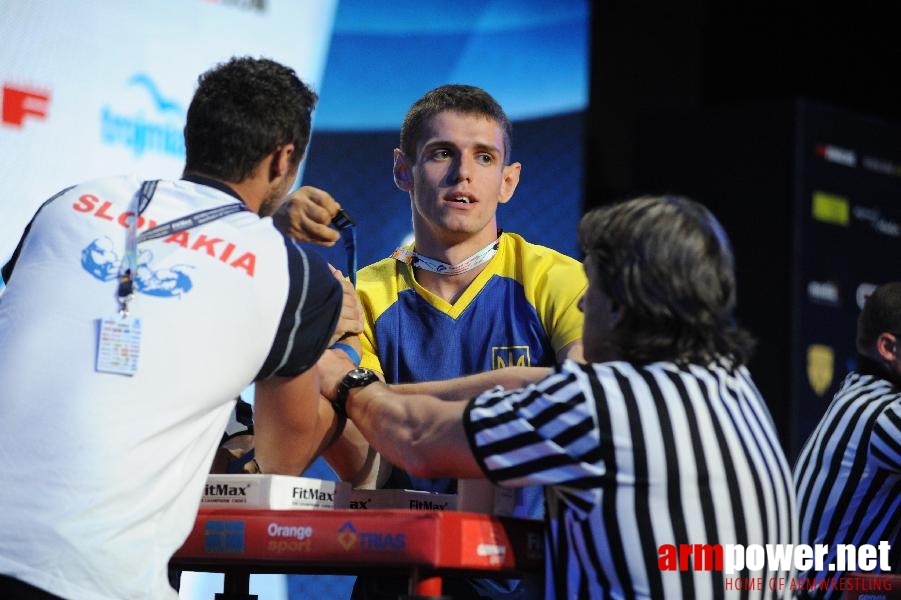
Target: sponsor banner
[[824, 292], [268, 491], [317, 537], [831, 208], [114, 102], [415, 500], [344, 538]]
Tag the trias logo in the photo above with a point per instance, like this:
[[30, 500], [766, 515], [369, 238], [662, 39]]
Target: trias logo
[[370, 541], [21, 103]]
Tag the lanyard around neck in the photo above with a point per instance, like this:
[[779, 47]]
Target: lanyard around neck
[[128, 268], [413, 258]]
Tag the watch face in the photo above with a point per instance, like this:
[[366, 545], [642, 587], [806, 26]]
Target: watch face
[[359, 377]]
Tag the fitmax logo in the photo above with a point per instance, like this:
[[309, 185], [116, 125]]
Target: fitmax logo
[[224, 489], [158, 133], [312, 494]]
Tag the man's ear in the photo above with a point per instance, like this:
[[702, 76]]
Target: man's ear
[[283, 160], [887, 346], [511, 180], [403, 171]]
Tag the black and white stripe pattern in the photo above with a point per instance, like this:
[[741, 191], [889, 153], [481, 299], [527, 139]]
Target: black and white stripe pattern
[[637, 457], [849, 473]]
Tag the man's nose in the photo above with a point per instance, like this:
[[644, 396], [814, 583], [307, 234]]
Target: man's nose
[[464, 167]]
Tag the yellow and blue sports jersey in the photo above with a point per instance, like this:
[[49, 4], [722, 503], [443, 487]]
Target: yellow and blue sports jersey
[[519, 311]]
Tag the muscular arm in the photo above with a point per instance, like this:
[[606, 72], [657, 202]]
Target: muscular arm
[[572, 350], [419, 426], [288, 427], [351, 456], [470, 386], [421, 434]]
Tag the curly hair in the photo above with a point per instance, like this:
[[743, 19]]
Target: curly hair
[[464, 99], [242, 110], [881, 313], [668, 262]]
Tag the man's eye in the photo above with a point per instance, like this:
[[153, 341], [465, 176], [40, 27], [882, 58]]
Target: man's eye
[[485, 159], [440, 154]]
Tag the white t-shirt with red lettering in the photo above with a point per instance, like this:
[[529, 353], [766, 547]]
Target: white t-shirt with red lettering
[[103, 472]]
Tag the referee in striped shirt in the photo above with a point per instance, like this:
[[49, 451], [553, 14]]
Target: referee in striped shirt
[[849, 472], [661, 439]]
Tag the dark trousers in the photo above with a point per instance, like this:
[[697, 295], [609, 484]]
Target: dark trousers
[[13, 589]]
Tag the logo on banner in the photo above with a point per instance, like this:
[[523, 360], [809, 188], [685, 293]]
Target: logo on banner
[[21, 103], [510, 356], [823, 292], [837, 154], [347, 536], [224, 537], [257, 5], [370, 541], [289, 538], [830, 208], [877, 221], [153, 124], [820, 367]]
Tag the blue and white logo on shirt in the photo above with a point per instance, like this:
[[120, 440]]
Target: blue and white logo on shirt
[[100, 259]]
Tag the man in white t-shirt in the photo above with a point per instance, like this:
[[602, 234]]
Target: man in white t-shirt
[[123, 348]]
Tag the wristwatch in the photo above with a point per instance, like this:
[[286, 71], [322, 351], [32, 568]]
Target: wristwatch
[[358, 377]]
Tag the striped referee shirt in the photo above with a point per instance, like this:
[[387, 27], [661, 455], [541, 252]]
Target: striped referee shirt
[[635, 457], [849, 472]]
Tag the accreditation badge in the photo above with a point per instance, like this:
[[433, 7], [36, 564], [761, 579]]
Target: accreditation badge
[[118, 345]]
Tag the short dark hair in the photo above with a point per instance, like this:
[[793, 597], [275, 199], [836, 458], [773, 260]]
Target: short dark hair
[[242, 110], [464, 99], [881, 313], [668, 263]]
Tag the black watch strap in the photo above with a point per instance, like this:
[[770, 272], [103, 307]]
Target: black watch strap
[[358, 377]]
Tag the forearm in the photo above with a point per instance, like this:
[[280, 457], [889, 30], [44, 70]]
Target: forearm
[[280, 450], [289, 429], [422, 434], [466, 388], [352, 457]]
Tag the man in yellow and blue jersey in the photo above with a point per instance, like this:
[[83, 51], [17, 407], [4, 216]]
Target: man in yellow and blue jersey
[[464, 297]]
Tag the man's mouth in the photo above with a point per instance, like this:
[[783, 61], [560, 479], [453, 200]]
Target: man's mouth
[[460, 199]]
